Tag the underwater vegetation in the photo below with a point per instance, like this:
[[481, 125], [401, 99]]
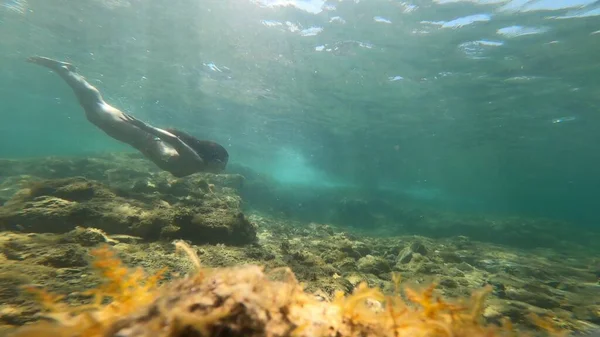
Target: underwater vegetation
[[246, 301]]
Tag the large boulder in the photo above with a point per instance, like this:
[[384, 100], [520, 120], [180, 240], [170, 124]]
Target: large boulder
[[155, 207]]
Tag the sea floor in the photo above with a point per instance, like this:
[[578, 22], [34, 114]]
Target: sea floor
[[57, 209]]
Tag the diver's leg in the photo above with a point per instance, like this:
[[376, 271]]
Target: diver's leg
[[52, 64], [85, 92]]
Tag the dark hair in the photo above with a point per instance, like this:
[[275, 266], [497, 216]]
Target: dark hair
[[210, 151]]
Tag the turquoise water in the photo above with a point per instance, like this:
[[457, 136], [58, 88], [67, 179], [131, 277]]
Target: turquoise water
[[487, 106]]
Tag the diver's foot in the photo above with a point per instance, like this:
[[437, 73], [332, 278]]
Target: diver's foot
[[51, 63]]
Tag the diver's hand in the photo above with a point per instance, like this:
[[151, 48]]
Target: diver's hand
[[160, 133], [134, 121]]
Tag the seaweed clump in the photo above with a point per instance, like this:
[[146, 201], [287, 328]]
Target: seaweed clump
[[246, 301]]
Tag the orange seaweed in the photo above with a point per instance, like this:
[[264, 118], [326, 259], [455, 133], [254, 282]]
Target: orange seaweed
[[244, 301]]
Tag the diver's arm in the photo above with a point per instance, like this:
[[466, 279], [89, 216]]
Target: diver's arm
[[165, 136]]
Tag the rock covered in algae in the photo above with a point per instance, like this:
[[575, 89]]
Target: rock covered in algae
[[246, 301], [189, 208], [43, 259]]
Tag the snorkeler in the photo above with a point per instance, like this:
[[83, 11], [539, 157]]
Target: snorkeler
[[170, 149]]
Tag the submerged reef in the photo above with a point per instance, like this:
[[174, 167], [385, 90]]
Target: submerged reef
[[246, 301], [55, 211]]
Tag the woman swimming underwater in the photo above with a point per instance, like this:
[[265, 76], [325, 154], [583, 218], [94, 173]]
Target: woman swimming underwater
[[170, 149]]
